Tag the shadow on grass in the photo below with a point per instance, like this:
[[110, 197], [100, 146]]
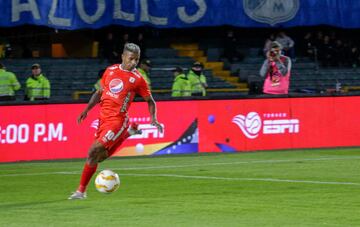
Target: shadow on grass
[[27, 205]]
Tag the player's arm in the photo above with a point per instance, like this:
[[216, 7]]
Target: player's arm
[[152, 109], [95, 99]]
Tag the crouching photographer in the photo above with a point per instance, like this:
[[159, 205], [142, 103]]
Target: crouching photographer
[[276, 71]]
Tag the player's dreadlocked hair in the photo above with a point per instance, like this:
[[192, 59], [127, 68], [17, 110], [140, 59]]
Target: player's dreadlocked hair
[[132, 47]]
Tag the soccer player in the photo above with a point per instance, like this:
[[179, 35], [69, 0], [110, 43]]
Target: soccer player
[[119, 85]]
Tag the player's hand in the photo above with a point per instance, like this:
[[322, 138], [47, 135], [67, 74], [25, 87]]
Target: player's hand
[[82, 117], [276, 57], [158, 125]]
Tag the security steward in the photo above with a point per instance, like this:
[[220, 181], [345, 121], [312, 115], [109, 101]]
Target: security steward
[[37, 85], [8, 84]]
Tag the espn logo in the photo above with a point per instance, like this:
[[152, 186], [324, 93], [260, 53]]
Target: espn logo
[[251, 124], [281, 126], [148, 131]]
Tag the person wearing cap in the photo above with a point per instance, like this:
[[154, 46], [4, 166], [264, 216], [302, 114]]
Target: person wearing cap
[[197, 80], [8, 84], [181, 86], [144, 69], [37, 85]]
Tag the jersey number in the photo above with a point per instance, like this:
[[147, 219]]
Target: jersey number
[[109, 135]]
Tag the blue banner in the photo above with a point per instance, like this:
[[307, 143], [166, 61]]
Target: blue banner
[[76, 14]]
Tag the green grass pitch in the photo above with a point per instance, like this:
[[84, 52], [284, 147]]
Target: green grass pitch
[[281, 188]]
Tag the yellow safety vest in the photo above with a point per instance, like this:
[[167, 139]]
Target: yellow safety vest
[[181, 86], [8, 83], [37, 87], [146, 77], [196, 83]]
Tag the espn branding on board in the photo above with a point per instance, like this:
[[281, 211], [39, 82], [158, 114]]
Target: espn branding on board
[[274, 123], [148, 130]]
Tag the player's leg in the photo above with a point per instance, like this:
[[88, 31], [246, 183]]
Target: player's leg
[[97, 153], [102, 149]]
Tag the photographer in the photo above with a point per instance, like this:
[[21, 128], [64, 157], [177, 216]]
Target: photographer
[[276, 70]]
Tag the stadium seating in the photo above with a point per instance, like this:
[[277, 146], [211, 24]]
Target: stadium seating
[[306, 75], [65, 75], [70, 75]]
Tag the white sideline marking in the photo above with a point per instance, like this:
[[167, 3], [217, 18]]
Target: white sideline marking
[[326, 158], [241, 179], [200, 177], [235, 163], [184, 166], [210, 177]]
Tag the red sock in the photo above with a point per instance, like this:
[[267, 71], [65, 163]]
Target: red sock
[[86, 175]]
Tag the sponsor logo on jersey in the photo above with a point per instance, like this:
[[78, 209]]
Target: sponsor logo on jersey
[[271, 11], [116, 85], [112, 95], [276, 123]]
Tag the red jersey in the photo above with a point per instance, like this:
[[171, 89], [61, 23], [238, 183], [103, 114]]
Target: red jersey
[[119, 89]]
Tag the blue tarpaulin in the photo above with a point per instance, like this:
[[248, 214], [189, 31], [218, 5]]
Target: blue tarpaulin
[[76, 14]]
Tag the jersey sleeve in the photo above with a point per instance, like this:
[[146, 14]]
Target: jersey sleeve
[[143, 88]]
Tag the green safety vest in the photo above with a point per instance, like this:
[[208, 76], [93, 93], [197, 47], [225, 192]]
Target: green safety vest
[[181, 86], [196, 83], [37, 87], [97, 85], [8, 83], [145, 76]]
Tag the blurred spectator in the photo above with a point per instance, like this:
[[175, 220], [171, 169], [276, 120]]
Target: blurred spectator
[[340, 58], [276, 71], [97, 85], [354, 57], [144, 69], [181, 86], [230, 47], [319, 39], [8, 84], [333, 37], [287, 44], [110, 49], [37, 85], [326, 52], [124, 40], [309, 45], [197, 80], [26, 52], [267, 45], [6, 50], [140, 41]]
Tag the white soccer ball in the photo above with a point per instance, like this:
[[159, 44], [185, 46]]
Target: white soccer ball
[[107, 181]]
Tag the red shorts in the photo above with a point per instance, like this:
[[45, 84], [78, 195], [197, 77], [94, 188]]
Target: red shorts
[[111, 133]]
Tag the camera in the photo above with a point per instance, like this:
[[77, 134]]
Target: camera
[[274, 53]]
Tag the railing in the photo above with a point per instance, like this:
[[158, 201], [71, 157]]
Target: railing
[[76, 94]]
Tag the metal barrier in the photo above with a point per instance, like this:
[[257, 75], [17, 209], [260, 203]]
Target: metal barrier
[[76, 94]]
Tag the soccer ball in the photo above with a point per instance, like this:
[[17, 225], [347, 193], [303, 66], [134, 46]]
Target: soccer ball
[[107, 181]]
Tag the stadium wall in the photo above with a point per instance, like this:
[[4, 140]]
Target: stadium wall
[[46, 132]]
